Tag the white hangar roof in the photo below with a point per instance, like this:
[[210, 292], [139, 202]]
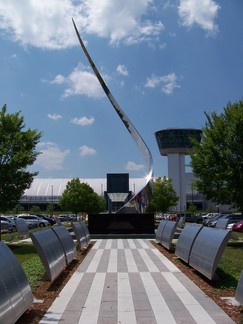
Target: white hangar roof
[[55, 187]]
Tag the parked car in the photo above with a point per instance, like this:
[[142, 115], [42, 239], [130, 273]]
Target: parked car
[[34, 221], [210, 215], [11, 218], [64, 218], [7, 225], [190, 218], [50, 220], [73, 217], [232, 218], [230, 226], [207, 221], [172, 217], [238, 227]]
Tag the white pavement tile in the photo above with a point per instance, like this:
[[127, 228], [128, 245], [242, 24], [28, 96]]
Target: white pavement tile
[[131, 264], [143, 244], [91, 308], [97, 245], [112, 265], [170, 266], [120, 244], [95, 261], [159, 306], [131, 244], [147, 260], [126, 312], [108, 245]]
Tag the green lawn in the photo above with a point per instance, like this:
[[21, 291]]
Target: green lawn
[[30, 262], [231, 263], [23, 251]]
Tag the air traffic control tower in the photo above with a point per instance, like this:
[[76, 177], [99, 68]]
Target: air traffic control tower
[[176, 143]]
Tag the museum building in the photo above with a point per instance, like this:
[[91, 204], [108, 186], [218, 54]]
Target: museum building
[[116, 189]]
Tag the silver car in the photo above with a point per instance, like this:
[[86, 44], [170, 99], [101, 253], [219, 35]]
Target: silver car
[[7, 225], [34, 221]]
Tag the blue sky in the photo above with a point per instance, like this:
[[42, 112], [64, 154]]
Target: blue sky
[[165, 62]]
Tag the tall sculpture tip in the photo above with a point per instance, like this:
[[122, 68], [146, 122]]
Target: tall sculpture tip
[[74, 24]]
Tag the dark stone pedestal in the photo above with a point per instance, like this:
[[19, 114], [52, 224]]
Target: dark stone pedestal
[[121, 224]]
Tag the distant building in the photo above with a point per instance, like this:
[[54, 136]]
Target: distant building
[[175, 143], [48, 191], [116, 190]]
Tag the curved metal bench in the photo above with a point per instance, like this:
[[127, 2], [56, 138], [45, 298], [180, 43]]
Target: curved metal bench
[[168, 234], [207, 250], [222, 223], [186, 241], [79, 234], [239, 290], [160, 229], [66, 241], [15, 292], [86, 231], [50, 251]]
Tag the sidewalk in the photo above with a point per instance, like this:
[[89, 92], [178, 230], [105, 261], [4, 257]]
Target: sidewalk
[[128, 281]]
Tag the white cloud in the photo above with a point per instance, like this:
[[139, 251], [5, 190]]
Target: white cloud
[[83, 121], [85, 150], [132, 166], [148, 32], [122, 70], [200, 12], [52, 156], [80, 82], [121, 20], [47, 23], [43, 24], [59, 79], [168, 82], [54, 116], [153, 81]]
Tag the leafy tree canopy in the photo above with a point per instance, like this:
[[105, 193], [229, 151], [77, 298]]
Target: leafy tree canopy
[[218, 159], [17, 152], [35, 210], [163, 197], [80, 197], [50, 209]]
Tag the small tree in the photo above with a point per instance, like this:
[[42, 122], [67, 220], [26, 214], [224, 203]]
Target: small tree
[[17, 152], [50, 209], [18, 209], [192, 209], [163, 197], [35, 210], [80, 197], [218, 159]]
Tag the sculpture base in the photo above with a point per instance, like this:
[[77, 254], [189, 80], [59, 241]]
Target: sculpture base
[[121, 224]]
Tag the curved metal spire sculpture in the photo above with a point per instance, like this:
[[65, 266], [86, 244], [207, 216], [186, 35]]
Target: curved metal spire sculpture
[[140, 200]]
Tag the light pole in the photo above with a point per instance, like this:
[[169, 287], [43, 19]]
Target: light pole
[[52, 200]]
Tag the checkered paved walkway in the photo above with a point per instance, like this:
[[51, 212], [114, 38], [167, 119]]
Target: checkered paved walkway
[[128, 281]]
